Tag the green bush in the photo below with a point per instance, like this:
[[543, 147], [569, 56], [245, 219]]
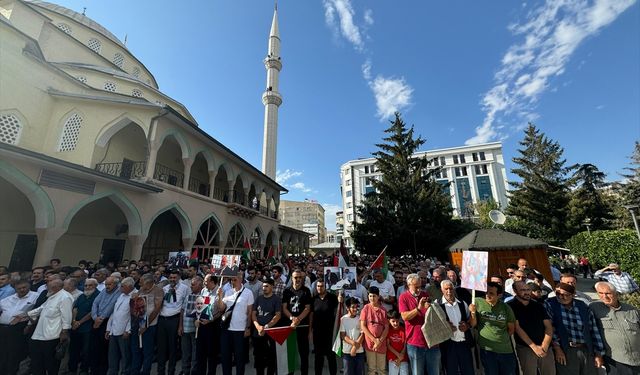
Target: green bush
[[609, 246]]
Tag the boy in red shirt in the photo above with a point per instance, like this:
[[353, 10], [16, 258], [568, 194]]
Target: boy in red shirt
[[396, 346]]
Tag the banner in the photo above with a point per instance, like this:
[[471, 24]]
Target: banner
[[474, 273], [337, 278], [225, 265], [179, 259]]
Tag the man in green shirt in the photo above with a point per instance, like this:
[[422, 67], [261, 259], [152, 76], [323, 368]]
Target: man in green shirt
[[496, 323]]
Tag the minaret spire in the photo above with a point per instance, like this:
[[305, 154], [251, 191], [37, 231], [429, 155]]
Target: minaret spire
[[271, 99]]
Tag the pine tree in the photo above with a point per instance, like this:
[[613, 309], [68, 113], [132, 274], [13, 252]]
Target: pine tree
[[540, 199], [588, 204], [408, 210], [629, 189]]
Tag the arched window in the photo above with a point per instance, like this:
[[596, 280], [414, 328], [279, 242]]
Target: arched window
[[95, 45], [64, 27], [70, 133], [137, 93], [82, 79], [118, 59], [110, 86], [10, 129]]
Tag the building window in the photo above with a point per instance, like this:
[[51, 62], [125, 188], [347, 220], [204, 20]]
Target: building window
[[457, 171], [482, 157], [347, 182], [462, 160], [136, 93], [95, 45], [366, 169], [349, 205], [474, 155], [443, 173], [346, 172], [368, 181], [10, 129], [110, 86], [481, 169], [477, 169], [136, 72], [70, 133], [484, 169], [82, 79], [464, 170], [64, 27], [118, 59], [348, 193], [443, 161], [455, 159], [350, 217], [373, 168], [435, 162]]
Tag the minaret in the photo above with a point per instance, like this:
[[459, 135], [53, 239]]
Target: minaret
[[271, 100]]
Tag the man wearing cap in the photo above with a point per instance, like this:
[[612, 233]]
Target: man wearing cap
[[266, 313], [569, 278], [577, 343], [620, 326], [623, 282]]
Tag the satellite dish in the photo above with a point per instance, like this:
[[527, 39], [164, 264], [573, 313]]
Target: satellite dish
[[497, 217]]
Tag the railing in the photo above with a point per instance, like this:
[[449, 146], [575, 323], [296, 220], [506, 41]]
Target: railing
[[264, 211], [198, 186], [238, 198], [168, 175], [126, 169], [220, 194]]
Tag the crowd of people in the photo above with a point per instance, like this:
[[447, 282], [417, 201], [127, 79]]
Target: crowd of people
[[120, 319]]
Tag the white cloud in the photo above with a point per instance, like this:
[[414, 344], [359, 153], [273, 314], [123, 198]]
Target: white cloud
[[301, 186], [368, 17], [347, 27], [550, 35], [366, 70], [392, 94], [283, 176]]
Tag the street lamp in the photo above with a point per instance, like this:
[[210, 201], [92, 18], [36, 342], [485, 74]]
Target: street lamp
[[587, 223], [632, 209]]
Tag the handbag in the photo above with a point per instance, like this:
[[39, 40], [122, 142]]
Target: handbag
[[226, 316]]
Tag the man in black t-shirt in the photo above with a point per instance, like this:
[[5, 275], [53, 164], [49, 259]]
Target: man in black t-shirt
[[323, 315], [296, 306], [266, 313], [533, 332]]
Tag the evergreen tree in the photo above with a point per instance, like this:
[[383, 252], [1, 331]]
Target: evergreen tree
[[588, 204], [408, 210], [629, 189], [540, 199]]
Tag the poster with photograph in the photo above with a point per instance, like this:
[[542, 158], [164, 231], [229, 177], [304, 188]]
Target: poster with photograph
[[475, 265], [331, 276], [225, 265], [348, 280], [179, 259]]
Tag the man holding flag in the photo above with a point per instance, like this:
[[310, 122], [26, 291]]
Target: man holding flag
[[266, 313], [296, 306]]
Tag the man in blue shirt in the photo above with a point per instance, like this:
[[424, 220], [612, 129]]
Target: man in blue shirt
[[81, 328], [100, 312], [5, 285]]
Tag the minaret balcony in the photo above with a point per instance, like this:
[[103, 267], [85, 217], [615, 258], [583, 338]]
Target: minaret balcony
[[272, 62], [271, 97]]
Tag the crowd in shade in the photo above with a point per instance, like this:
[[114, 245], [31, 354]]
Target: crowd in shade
[[411, 316]]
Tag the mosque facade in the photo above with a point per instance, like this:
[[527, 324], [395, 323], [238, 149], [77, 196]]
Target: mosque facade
[[97, 163]]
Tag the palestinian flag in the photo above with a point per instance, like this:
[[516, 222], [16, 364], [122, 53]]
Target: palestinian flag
[[381, 263], [343, 255], [194, 259], [286, 349], [337, 341], [271, 258], [246, 253]]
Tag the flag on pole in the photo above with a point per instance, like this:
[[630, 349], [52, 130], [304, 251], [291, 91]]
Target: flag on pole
[[246, 253], [337, 341], [343, 255], [381, 262], [286, 348], [271, 259], [193, 259]]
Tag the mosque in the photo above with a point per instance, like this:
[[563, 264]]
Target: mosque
[[97, 163]]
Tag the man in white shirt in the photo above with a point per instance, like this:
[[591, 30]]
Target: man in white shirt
[[119, 329], [387, 293], [52, 328], [170, 322], [456, 352], [12, 326]]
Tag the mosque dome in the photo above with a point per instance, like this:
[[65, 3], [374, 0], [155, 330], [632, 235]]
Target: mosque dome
[[78, 17]]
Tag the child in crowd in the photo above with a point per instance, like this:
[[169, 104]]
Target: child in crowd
[[396, 346], [352, 338]]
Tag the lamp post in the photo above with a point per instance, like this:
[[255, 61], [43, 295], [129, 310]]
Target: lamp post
[[632, 210], [587, 223]]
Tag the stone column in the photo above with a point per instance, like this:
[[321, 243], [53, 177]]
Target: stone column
[[212, 181], [151, 162], [47, 239], [188, 243], [232, 185], [187, 172], [136, 241], [246, 197]]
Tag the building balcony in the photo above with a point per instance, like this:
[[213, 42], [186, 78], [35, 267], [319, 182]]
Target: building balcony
[[127, 169], [198, 186], [168, 175]]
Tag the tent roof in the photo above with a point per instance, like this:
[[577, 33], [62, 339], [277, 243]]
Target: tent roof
[[495, 239]]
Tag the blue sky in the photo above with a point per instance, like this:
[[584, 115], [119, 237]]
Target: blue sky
[[460, 71]]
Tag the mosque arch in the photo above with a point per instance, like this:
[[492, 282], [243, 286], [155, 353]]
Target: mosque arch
[[208, 237], [180, 215], [134, 222], [177, 135], [235, 239], [111, 128]]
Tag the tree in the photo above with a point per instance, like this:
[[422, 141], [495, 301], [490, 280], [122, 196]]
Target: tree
[[588, 204], [539, 200], [483, 208], [408, 210], [629, 189]]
